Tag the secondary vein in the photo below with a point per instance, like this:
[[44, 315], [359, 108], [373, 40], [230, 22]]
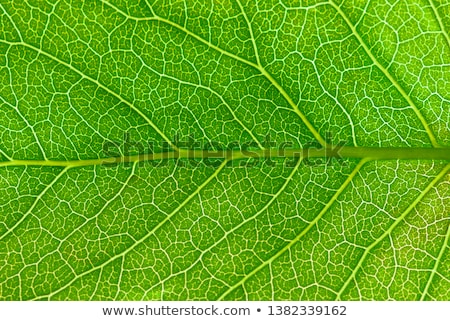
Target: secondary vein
[[387, 74]]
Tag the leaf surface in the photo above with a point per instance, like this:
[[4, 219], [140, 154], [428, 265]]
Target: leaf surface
[[369, 75]]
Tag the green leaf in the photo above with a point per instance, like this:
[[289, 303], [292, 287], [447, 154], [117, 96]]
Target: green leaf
[[103, 195]]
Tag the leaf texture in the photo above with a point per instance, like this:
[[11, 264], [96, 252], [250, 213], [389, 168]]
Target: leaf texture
[[75, 75]]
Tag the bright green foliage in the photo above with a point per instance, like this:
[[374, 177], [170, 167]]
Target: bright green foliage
[[76, 74]]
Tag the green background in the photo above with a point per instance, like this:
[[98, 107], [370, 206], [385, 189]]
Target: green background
[[77, 74]]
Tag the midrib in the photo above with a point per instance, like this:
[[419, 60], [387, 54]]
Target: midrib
[[371, 153]]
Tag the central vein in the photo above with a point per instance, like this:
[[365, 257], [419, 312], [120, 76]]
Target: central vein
[[371, 153]]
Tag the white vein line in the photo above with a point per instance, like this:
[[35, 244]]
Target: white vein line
[[299, 236], [36, 201], [444, 247], [235, 228], [263, 71], [439, 20], [215, 93], [125, 184], [12, 22], [250, 29], [390, 229], [388, 75], [94, 81], [144, 238], [16, 108]]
